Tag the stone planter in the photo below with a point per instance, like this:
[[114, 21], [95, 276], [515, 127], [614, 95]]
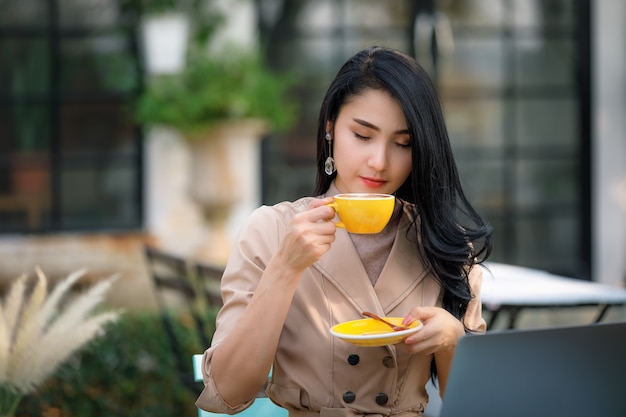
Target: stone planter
[[225, 180]]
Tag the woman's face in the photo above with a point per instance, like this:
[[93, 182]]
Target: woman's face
[[371, 144]]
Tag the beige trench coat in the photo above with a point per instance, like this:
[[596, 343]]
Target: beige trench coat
[[315, 373]]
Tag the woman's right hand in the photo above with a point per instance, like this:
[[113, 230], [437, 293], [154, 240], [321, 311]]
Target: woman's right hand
[[308, 236]]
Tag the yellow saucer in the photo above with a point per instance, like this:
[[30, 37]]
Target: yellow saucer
[[370, 332]]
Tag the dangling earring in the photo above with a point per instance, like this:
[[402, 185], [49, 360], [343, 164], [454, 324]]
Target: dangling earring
[[329, 165]]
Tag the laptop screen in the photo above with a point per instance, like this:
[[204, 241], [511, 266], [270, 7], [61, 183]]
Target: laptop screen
[[568, 371]]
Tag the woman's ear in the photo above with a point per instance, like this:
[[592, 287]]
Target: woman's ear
[[329, 126]]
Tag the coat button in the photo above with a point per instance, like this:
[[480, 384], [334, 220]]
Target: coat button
[[349, 397], [353, 359], [381, 399], [388, 362]]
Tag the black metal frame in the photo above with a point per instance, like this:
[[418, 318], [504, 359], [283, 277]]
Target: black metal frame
[[513, 312]]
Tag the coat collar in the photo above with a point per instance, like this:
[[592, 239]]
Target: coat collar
[[402, 272]]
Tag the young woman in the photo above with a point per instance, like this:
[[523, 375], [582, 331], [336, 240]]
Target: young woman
[[293, 274]]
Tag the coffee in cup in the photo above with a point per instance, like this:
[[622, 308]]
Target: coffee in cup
[[363, 212]]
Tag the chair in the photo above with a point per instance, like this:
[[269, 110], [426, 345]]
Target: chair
[[262, 406], [184, 289], [211, 277]]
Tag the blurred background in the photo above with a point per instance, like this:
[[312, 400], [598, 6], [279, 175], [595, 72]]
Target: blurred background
[[533, 92], [105, 148]]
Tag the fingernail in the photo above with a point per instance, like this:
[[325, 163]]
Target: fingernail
[[408, 319]]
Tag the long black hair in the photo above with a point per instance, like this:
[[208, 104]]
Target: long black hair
[[449, 234]]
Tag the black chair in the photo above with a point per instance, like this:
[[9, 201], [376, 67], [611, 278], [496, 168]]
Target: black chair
[[183, 288], [210, 276]]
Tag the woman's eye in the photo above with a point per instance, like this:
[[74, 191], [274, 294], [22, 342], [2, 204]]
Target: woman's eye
[[403, 145], [360, 136]]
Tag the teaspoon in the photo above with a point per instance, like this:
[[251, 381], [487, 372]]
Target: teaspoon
[[393, 326]]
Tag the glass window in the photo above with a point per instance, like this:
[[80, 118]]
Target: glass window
[[107, 196], [88, 13], [24, 13], [472, 64], [513, 78], [550, 243], [543, 13], [544, 63], [28, 127], [551, 123], [474, 122], [484, 182], [70, 155], [24, 66], [98, 64], [476, 14], [546, 183]]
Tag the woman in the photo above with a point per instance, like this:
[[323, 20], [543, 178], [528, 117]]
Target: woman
[[293, 274]]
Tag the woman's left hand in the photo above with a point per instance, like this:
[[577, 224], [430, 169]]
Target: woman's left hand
[[441, 331]]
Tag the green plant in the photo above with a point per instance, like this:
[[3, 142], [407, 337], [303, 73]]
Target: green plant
[[130, 373], [232, 84], [212, 88]]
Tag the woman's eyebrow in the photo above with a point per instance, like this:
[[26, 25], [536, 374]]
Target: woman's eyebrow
[[376, 128]]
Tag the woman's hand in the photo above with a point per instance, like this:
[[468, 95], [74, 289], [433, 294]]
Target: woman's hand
[[439, 336], [308, 236], [441, 331]]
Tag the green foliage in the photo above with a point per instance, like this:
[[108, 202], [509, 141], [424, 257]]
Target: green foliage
[[237, 85], [213, 86], [129, 372]]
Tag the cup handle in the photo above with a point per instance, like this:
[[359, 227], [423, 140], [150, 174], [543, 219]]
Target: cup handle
[[334, 206]]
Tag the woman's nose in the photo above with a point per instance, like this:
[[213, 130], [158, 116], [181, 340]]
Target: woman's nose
[[378, 158]]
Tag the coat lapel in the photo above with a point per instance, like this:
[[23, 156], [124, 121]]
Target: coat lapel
[[347, 274], [402, 273]]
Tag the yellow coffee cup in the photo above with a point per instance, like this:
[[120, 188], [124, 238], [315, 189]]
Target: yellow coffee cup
[[363, 212]]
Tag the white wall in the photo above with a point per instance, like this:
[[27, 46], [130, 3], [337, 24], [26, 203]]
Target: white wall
[[609, 141]]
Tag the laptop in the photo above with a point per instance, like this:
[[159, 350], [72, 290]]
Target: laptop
[[567, 371]]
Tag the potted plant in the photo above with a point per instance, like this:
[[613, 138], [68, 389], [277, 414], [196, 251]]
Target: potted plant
[[223, 101], [215, 84], [212, 89]]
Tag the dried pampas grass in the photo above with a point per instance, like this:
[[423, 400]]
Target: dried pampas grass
[[37, 335]]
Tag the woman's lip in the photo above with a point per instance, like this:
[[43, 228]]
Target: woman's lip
[[373, 183]]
